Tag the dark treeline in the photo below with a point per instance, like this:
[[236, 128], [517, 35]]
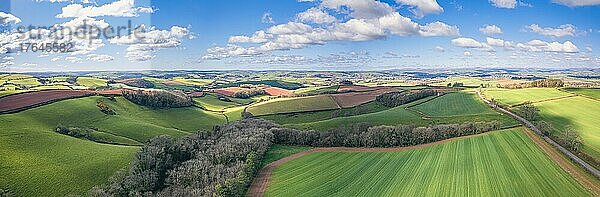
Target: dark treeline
[[544, 83], [218, 163], [249, 93], [158, 98], [395, 99], [364, 135], [223, 162], [527, 111], [139, 83]]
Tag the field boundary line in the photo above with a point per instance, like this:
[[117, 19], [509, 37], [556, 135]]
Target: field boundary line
[[567, 165], [544, 100], [595, 172], [262, 180], [581, 95]]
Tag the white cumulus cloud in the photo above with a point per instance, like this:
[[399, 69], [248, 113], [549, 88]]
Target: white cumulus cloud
[[504, 3], [421, 8], [490, 30], [577, 3], [120, 8], [6, 18], [561, 31]]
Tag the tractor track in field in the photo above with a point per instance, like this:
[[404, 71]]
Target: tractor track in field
[[261, 181]]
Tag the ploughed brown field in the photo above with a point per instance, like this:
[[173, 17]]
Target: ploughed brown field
[[173, 83], [228, 91], [29, 99], [355, 88], [196, 94], [22, 101], [274, 91], [354, 99]]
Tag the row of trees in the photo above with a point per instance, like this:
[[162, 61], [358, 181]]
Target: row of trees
[[364, 135], [544, 83], [395, 99], [222, 162], [76, 132], [247, 93], [158, 98], [138, 83], [104, 108]]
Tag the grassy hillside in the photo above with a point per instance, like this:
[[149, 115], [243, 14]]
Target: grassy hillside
[[399, 116], [518, 96], [591, 92], [35, 160], [454, 104], [91, 82], [503, 163], [29, 82], [213, 103], [288, 105], [307, 117], [272, 83], [582, 113]]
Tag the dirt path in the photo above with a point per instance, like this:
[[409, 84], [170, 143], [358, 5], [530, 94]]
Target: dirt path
[[261, 182], [565, 164]]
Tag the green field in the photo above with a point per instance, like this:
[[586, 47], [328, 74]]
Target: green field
[[317, 90], [193, 82], [51, 87], [29, 82], [591, 92], [307, 117], [518, 96], [35, 160], [289, 105], [466, 81], [15, 76], [273, 83], [454, 104], [581, 113], [400, 116], [91, 82], [213, 103], [504, 163], [234, 114]]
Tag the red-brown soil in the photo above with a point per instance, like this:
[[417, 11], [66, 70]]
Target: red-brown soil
[[275, 91], [196, 94], [27, 100], [228, 91], [355, 88], [23, 101]]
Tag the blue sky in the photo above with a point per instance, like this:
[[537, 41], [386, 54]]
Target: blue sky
[[308, 34]]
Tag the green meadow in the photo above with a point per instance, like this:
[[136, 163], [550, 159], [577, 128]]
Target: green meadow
[[37, 161], [579, 112], [518, 96], [289, 105], [91, 82], [213, 103], [591, 92], [502, 163], [454, 104], [401, 116]]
